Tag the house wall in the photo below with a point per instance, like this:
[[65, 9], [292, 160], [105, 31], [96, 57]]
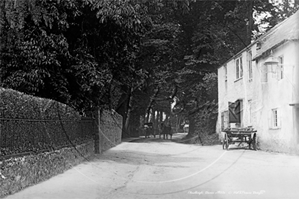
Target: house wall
[[264, 97], [236, 88], [277, 94], [296, 99], [296, 74]]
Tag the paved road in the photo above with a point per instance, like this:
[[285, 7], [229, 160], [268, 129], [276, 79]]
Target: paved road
[[152, 168]]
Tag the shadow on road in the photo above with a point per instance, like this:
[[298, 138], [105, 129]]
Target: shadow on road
[[145, 158], [148, 151], [145, 140], [177, 137]]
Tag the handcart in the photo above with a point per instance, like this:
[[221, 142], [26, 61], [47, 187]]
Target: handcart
[[239, 135]]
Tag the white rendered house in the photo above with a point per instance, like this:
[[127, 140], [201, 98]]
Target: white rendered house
[[262, 80]]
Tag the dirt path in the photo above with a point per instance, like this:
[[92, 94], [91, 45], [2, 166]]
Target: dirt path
[[152, 168]]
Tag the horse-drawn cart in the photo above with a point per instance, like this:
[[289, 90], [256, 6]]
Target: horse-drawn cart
[[148, 129], [239, 135]]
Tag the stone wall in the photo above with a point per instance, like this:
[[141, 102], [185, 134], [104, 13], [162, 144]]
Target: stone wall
[[17, 173], [109, 130], [26, 166]]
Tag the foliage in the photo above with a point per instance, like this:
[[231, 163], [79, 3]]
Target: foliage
[[18, 105], [275, 14], [209, 33], [31, 124], [58, 49], [129, 55]]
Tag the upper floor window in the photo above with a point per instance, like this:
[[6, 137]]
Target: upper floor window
[[249, 60], [258, 45], [239, 68]]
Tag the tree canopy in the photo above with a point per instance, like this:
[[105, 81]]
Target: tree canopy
[[76, 52], [128, 55]]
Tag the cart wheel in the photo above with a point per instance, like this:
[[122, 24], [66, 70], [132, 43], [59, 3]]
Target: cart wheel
[[226, 143]]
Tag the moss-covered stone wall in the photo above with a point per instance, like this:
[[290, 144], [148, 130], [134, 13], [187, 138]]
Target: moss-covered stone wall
[[17, 173]]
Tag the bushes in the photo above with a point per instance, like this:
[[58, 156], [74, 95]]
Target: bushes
[[17, 105], [31, 124]]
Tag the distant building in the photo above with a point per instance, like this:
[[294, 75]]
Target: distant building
[[259, 87]]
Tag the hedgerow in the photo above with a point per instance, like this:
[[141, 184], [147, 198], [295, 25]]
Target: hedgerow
[[31, 124]]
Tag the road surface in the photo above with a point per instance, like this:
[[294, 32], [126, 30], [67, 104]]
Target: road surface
[[153, 168]]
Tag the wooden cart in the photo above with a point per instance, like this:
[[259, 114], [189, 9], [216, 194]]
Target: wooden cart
[[148, 129], [239, 135]]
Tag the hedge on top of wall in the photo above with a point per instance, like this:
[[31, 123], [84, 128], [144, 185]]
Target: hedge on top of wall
[[30, 124], [17, 105]]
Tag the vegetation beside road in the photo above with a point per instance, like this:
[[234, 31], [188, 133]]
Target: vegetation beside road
[[136, 57]]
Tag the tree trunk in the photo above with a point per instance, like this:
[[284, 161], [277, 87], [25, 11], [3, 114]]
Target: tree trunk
[[250, 22], [134, 124], [160, 117], [156, 123], [129, 109], [191, 125], [148, 115]]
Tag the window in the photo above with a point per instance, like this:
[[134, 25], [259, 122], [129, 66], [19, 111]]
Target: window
[[235, 111], [249, 60], [275, 118], [280, 66], [258, 45], [239, 68]]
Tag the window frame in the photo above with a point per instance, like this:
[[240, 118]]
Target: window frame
[[281, 67], [275, 120], [239, 68]]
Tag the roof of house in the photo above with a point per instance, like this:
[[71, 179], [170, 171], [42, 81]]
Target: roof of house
[[285, 31]]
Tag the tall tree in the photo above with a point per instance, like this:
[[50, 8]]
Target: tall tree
[[74, 51], [129, 55], [211, 32]]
